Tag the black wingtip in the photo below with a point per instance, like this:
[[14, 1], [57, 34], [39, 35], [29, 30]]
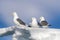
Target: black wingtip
[[29, 26], [49, 25]]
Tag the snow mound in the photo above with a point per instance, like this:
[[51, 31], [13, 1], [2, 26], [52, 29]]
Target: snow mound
[[45, 34]]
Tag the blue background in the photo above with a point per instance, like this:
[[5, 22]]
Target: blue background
[[26, 9]]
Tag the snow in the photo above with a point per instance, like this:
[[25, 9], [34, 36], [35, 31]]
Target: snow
[[45, 34], [27, 33]]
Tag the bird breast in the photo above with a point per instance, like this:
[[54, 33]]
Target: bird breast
[[15, 21]]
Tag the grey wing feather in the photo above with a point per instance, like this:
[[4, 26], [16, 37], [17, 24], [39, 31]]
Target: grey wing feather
[[44, 23], [20, 21]]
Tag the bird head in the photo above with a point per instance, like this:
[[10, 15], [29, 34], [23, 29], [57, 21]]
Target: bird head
[[42, 18], [15, 15], [33, 18]]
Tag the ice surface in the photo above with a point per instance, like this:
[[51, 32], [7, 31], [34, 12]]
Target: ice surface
[[32, 33], [45, 34]]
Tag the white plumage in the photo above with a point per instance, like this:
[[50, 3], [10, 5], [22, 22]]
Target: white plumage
[[34, 23], [16, 19], [42, 19], [43, 22]]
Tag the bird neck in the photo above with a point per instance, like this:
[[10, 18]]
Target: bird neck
[[34, 21], [16, 16]]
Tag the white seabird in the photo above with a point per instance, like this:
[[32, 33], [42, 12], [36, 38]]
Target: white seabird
[[34, 23], [16, 19], [43, 22]]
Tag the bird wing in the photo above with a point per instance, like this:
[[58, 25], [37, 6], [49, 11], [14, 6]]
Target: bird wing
[[44, 23], [20, 21]]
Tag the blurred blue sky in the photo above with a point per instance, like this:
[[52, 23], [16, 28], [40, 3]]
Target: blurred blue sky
[[26, 9]]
